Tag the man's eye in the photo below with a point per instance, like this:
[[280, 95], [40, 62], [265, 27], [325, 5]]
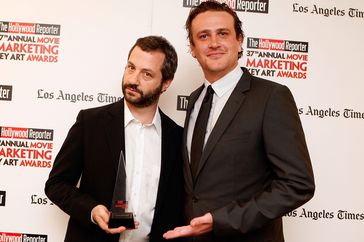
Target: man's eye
[[130, 67], [203, 36]]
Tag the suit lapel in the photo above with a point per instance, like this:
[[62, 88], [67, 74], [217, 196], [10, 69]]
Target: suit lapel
[[167, 162], [114, 128], [165, 166], [228, 113]]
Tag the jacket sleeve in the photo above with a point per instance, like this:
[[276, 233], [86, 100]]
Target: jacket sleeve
[[293, 182], [61, 186]]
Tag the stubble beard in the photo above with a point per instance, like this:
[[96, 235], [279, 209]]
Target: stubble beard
[[144, 99]]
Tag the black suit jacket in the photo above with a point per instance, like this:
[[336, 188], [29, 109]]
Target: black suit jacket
[[91, 151], [255, 166]]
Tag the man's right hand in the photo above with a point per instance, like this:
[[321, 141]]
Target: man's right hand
[[100, 215]]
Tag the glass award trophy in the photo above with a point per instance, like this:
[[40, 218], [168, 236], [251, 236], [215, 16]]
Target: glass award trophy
[[118, 216]]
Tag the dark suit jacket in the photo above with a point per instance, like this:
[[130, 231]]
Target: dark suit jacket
[[91, 151], [255, 166]]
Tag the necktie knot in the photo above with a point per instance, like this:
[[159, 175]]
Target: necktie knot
[[209, 94]]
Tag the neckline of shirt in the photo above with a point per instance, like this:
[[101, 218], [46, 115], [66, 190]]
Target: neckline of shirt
[[225, 83], [156, 122]]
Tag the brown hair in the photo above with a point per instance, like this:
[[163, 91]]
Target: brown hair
[[159, 43], [217, 7]]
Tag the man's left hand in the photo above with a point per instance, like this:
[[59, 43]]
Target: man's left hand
[[197, 226]]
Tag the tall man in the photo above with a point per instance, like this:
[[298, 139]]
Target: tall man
[[150, 141], [254, 166]]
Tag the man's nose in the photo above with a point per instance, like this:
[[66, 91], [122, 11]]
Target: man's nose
[[134, 78], [214, 41]]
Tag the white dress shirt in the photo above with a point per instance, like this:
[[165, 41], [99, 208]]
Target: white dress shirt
[[222, 91], [143, 164]]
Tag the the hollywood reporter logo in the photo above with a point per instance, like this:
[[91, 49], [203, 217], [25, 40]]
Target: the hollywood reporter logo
[[252, 6], [182, 103], [22, 237], [277, 58], [277, 45], [26, 147], [2, 198], [29, 41], [26, 133], [6, 93]]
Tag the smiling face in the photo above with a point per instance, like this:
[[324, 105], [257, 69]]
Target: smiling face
[[142, 80], [215, 45]]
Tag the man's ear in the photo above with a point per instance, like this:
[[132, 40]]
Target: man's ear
[[165, 85], [240, 39], [192, 50]]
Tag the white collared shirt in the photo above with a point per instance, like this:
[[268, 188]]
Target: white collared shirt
[[222, 91], [143, 147]]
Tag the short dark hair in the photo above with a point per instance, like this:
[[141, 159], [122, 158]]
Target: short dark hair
[[159, 43], [212, 5]]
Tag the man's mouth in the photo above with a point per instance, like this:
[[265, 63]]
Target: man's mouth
[[215, 54], [132, 89]]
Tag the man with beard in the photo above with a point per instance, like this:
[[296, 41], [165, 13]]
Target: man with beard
[[151, 143]]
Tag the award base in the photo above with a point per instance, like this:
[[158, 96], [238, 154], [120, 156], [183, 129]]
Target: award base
[[122, 219]]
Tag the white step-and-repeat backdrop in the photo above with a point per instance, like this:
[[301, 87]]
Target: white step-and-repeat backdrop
[[57, 57]]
